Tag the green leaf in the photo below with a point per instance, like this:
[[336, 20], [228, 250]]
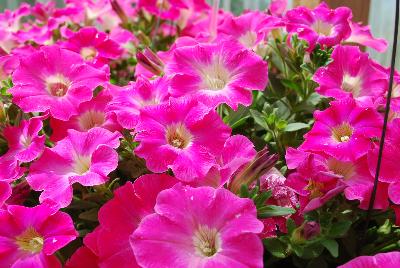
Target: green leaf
[[295, 127], [244, 191], [259, 118], [290, 226], [332, 246], [276, 247], [274, 211], [89, 215], [339, 229], [291, 85]]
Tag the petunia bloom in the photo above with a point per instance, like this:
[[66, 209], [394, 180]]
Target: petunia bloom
[[387, 260], [183, 135], [82, 157], [248, 29], [324, 26], [362, 35], [24, 145], [90, 114], [118, 219], [389, 172], [24, 140], [344, 131], [5, 192], [217, 73], [351, 74], [128, 101], [195, 227], [54, 79], [313, 182], [30, 236], [94, 46]]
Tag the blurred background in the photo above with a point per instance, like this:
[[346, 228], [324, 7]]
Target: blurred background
[[378, 13]]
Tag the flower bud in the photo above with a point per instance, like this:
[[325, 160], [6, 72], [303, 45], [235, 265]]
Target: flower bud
[[306, 231], [149, 60], [120, 12], [261, 164]]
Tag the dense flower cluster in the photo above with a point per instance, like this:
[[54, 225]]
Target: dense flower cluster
[[153, 128]]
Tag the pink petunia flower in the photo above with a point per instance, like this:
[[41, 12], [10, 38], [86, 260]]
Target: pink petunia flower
[[5, 192], [387, 260], [83, 257], [217, 73], [237, 152], [194, 227], [119, 217], [54, 79], [344, 131], [82, 157], [94, 46], [165, 9], [183, 135], [278, 7], [24, 140], [128, 101], [389, 172], [30, 236], [362, 35], [248, 29], [24, 145], [282, 195], [351, 73], [313, 182], [8, 64], [90, 114], [324, 26]]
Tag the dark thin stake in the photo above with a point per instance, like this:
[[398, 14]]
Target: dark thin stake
[[387, 110]]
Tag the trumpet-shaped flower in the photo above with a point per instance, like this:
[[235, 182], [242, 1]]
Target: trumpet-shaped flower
[[217, 73], [183, 135], [30, 236], [389, 172], [120, 217], [249, 29], [128, 102], [54, 79], [194, 227], [91, 114], [387, 260], [5, 192], [351, 74], [324, 26], [82, 157], [24, 140], [344, 131], [94, 46], [313, 182], [362, 35]]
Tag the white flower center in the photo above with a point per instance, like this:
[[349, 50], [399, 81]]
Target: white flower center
[[88, 53], [248, 39], [57, 85], [25, 140], [322, 28], [178, 136], [30, 241], [215, 76], [345, 169], [352, 84], [342, 133], [91, 119], [81, 164], [206, 241]]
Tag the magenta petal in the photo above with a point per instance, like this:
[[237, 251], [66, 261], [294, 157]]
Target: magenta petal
[[387, 260]]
